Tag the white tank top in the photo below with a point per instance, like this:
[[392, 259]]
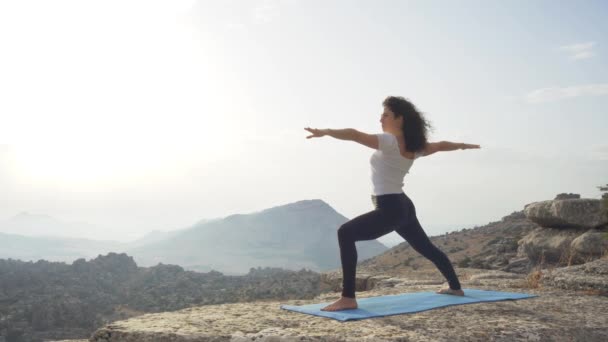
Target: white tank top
[[388, 166]]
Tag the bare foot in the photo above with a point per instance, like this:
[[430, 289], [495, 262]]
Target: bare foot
[[344, 303], [448, 290]]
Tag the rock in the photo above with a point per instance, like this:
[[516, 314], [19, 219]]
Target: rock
[[514, 216], [564, 195], [551, 244], [495, 261], [568, 213], [373, 281], [333, 281], [565, 246], [496, 253], [591, 244], [518, 265], [389, 282], [589, 276]]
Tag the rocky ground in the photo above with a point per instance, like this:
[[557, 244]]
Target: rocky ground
[[558, 314]]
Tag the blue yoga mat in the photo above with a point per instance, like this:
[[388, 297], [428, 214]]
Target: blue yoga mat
[[405, 303]]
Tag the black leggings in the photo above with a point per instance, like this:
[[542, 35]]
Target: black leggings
[[392, 212]]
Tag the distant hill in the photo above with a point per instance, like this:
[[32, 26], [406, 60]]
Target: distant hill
[[37, 225], [27, 248], [158, 235], [292, 236]]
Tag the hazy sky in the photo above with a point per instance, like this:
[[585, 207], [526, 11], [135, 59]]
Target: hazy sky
[[143, 115]]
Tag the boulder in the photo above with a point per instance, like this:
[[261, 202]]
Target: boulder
[[591, 244], [567, 213], [521, 265], [553, 244]]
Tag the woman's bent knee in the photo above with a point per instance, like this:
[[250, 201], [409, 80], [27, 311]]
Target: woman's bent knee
[[345, 231]]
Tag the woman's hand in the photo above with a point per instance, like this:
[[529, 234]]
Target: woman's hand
[[316, 133]]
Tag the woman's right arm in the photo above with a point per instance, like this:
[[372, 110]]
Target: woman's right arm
[[342, 134], [369, 140]]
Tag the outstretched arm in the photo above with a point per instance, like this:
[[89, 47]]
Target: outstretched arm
[[369, 140], [451, 146], [342, 134]]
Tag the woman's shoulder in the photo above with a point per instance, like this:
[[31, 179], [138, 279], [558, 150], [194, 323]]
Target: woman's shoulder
[[387, 142], [389, 137]]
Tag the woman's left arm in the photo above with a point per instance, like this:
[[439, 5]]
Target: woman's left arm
[[451, 146]]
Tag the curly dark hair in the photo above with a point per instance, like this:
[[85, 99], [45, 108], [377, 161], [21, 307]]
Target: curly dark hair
[[415, 127]]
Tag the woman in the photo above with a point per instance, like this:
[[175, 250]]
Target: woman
[[403, 140]]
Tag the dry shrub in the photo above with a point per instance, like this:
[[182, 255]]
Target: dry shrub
[[533, 278], [567, 256]]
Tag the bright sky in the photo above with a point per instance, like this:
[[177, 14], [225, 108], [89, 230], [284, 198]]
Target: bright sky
[[143, 115]]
